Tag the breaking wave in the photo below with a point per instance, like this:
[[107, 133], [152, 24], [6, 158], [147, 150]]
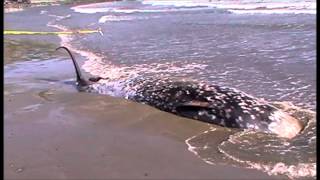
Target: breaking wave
[[247, 6]]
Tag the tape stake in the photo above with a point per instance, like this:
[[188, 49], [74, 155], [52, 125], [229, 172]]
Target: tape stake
[[13, 32]]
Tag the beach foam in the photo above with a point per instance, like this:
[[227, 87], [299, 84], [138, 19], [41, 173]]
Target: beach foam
[[253, 6], [239, 7]]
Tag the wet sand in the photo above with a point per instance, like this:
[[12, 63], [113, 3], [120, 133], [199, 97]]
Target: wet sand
[[83, 136], [53, 132]]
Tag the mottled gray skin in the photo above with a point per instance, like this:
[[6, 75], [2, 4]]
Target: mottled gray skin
[[209, 103]]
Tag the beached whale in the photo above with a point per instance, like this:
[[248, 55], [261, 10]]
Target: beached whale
[[209, 103]]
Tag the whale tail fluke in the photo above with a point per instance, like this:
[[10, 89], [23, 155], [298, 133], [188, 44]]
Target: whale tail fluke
[[80, 80]]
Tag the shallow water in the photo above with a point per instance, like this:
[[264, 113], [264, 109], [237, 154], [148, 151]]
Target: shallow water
[[53, 131], [26, 50], [274, 52], [270, 56], [295, 158]]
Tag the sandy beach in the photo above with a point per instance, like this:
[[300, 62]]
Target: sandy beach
[[57, 136], [52, 131]]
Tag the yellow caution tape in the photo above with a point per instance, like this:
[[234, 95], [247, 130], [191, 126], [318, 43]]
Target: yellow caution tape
[[12, 32]]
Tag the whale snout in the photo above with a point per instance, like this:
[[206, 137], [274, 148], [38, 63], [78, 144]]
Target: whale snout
[[285, 125]]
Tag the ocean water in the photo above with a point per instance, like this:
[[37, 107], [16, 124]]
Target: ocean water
[[264, 48]]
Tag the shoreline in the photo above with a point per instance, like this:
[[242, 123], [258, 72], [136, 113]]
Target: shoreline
[[14, 6], [93, 123]]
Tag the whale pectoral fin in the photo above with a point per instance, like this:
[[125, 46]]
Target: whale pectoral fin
[[192, 107], [194, 103]]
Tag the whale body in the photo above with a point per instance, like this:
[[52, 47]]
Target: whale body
[[214, 104]]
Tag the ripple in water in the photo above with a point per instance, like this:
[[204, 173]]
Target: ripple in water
[[295, 158]]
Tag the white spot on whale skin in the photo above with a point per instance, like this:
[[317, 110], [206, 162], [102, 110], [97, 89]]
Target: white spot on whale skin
[[210, 98], [201, 113], [213, 117], [239, 119], [201, 92], [223, 123], [272, 118], [251, 126], [256, 108], [246, 112], [228, 115]]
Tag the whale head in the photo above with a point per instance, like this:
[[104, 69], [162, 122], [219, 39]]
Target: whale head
[[284, 125]]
